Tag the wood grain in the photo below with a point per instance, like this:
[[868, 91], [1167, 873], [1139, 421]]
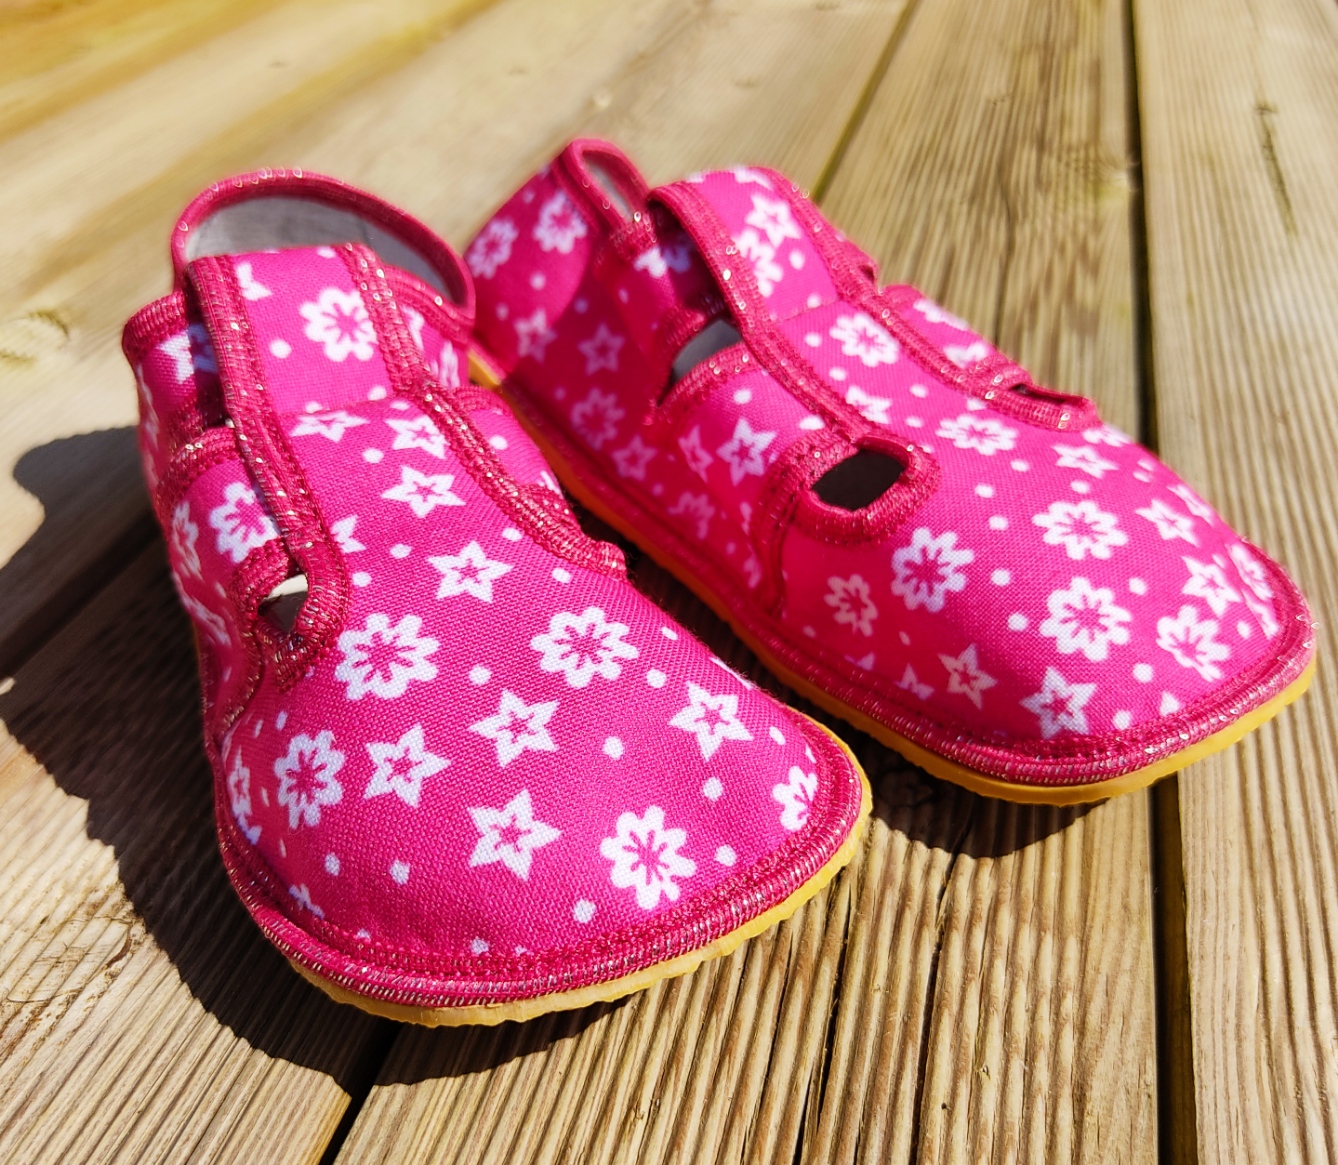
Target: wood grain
[[991, 978], [1239, 103], [143, 1017], [991, 169]]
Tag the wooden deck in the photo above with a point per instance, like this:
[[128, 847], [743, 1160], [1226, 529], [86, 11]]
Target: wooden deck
[[1135, 197]]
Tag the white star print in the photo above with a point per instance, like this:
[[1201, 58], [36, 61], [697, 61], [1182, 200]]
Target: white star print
[[402, 767], [910, 682], [342, 531], [510, 835], [468, 573], [965, 677], [743, 451], [713, 719], [1059, 704], [418, 433], [533, 335], [633, 458], [332, 425], [422, 491], [518, 726], [601, 350]]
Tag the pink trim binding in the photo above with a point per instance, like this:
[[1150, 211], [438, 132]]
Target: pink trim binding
[[274, 466]]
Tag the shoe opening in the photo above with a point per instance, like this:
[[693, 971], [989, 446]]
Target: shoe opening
[[282, 221], [715, 337], [859, 480], [283, 603]]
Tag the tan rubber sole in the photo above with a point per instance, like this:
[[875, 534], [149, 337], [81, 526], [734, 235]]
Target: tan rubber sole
[[931, 762], [493, 1013]]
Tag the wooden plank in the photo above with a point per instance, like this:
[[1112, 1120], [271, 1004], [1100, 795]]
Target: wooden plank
[[979, 983], [143, 1017], [992, 171], [1239, 107], [89, 219]]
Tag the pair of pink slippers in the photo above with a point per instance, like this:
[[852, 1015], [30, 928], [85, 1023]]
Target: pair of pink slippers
[[465, 771]]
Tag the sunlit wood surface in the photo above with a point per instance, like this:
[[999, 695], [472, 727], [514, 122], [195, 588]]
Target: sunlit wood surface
[[1137, 198]]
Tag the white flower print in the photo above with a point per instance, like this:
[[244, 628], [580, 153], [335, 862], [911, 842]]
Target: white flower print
[[1261, 611], [658, 261], [1171, 524], [1059, 704], [796, 797], [1086, 618], [446, 370], [872, 408], [339, 322], [964, 355], [583, 646], [183, 536], [533, 335], [860, 336], [927, 569], [713, 719], [745, 174], [601, 350], [148, 414], [241, 522], [402, 767], [1083, 458], [468, 573], [772, 216], [763, 258], [965, 677], [1107, 435], [307, 777], [696, 508], [850, 603], [934, 314], [418, 433], [645, 856], [383, 660], [423, 492], [209, 620], [752, 571], [1081, 528], [1208, 581], [559, 225], [239, 798], [491, 248], [518, 726], [251, 288], [694, 453], [1190, 640], [1251, 572], [987, 437], [743, 451], [910, 682], [633, 458], [342, 532], [332, 425], [1193, 503], [510, 835], [302, 896], [595, 417], [191, 351]]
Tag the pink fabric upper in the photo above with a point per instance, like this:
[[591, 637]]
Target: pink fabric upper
[[482, 767], [1036, 597]]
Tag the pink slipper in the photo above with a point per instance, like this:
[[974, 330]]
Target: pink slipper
[[464, 771], [901, 523]]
